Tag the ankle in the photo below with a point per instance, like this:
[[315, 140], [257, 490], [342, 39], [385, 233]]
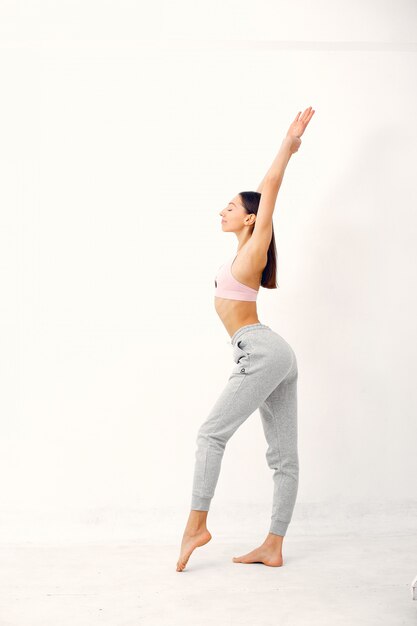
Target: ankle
[[274, 541], [196, 521], [195, 530]]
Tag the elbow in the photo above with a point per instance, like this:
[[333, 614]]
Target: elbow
[[273, 180], [272, 184]]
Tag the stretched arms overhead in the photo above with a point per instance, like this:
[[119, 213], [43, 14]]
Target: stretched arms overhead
[[270, 184]]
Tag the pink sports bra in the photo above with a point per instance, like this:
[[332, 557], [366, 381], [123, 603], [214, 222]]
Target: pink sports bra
[[228, 287]]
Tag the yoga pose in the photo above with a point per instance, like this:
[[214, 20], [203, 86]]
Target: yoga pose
[[264, 373]]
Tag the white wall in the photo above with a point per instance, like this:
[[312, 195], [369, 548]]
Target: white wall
[[124, 131]]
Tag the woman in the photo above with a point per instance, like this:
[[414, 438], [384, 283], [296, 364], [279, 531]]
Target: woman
[[265, 372]]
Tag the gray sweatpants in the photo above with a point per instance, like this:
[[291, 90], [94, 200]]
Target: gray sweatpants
[[264, 376]]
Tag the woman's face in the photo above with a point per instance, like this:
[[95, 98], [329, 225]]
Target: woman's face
[[233, 215]]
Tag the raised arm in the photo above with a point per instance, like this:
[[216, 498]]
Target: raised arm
[[270, 184], [277, 169], [261, 184]]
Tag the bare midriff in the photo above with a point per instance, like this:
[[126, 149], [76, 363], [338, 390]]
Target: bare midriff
[[235, 313]]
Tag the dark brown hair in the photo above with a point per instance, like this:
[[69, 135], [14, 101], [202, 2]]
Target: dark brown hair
[[250, 201]]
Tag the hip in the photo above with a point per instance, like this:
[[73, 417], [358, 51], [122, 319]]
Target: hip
[[263, 344]]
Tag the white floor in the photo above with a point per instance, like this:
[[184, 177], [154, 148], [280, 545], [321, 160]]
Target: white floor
[[350, 572]]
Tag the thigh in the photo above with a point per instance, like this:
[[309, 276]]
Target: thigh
[[279, 420], [261, 361]]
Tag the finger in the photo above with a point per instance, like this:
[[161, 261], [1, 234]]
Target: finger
[[305, 114], [310, 115], [297, 116]]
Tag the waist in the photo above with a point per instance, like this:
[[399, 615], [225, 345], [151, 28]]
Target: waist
[[247, 328], [235, 313]]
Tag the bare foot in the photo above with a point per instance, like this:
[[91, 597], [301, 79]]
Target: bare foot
[[267, 554], [190, 541]]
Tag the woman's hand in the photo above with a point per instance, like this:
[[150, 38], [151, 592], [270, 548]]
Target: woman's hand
[[290, 144], [297, 128]]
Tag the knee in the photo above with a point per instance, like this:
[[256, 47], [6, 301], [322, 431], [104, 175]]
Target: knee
[[286, 463], [290, 465], [209, 436], [202, 436]]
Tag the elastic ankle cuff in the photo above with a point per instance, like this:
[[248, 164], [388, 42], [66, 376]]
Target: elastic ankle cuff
[[278, 527], [200, 504]]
